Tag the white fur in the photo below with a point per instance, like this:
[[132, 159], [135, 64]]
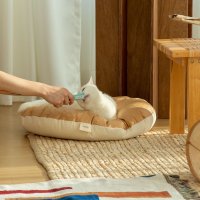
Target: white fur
[[97, 102]]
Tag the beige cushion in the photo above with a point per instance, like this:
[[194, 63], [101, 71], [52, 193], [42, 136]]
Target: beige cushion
[[134, 116]]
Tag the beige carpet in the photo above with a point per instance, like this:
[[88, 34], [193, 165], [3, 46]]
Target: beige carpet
[[155, 152]]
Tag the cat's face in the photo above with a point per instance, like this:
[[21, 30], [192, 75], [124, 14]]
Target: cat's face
[[91, 92]]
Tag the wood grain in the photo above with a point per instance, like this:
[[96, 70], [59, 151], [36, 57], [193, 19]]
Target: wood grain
[[110, 46], [185, 55], [190, 13], [168, 29], [179, 47], [113, 43], [154, 95], [123, 47], [193, 94], [139, 48], [17, 161], [177, 98]]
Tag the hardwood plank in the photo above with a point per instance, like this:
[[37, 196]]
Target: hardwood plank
[[123, 47], [107, 46], [139, 48], [154, 96], [177, 98], [193, 94], [17, 161], [190, 13]]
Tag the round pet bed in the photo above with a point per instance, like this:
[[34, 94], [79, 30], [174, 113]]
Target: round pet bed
[[134, 117]]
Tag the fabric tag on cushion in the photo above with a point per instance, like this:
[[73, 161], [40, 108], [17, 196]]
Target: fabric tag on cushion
[[86, 127]]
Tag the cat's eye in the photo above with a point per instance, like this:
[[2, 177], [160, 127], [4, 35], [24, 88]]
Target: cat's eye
[[83, 89]]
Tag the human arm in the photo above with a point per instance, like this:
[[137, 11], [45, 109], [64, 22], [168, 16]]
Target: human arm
[[15, 85]]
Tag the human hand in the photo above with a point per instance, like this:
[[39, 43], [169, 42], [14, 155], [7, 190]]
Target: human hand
[[57, 96]]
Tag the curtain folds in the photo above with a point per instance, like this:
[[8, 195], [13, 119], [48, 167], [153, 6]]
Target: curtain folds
[[41, 41], [195, 13]]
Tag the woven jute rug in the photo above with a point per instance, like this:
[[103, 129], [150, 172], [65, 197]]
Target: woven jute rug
[[152, 153], [156, 152]]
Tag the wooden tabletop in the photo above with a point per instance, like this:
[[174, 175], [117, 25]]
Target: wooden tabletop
[[179, 47]]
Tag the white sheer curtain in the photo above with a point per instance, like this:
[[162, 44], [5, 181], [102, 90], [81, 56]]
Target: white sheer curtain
[[41, 40], [88, 41], [196, 13]]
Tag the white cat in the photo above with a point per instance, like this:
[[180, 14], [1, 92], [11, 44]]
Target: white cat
[[97, 102]]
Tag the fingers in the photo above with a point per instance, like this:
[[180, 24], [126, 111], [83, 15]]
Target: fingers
[[58, 103], [62, 101], [66, 100], [59, 97], [71, 99]]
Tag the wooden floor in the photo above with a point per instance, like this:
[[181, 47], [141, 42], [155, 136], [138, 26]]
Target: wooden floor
[[17, 161]]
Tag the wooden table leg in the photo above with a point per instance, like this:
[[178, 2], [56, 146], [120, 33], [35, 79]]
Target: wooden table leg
[[193, 94], [177, 98]]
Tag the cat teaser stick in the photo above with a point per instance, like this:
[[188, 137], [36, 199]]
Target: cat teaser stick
[[185, 19], [79, 96]]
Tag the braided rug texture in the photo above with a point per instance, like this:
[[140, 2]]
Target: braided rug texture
[[155, 152]]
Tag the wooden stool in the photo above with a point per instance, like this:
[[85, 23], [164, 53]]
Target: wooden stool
[[184, 72]]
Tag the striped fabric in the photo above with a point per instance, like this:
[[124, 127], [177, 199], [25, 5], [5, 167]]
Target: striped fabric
[[80, 197], [141, 188]]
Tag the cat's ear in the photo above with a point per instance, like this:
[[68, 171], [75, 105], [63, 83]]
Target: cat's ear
[[91, 81]]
